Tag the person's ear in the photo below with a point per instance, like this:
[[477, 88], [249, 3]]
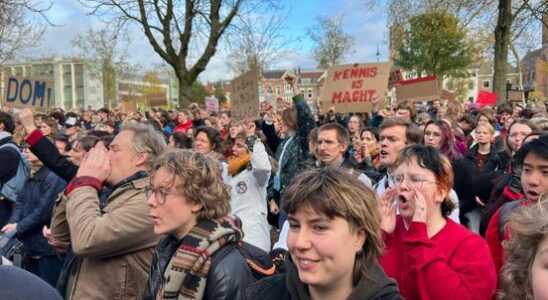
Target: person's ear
[[359, 240]]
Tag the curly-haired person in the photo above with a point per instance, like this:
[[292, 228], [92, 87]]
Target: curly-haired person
[[524, 276]]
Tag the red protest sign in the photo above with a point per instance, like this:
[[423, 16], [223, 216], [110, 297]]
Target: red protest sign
[[486, 98], [351, 88]]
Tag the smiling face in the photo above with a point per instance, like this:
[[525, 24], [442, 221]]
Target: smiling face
[[391, 140], [534, 176], [314, 242]]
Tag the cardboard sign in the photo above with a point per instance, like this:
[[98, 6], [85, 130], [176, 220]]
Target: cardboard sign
[[516, 96], [156, 99], [486, 98], [245, 97], [212, 105], [351, 88], [418, 90], [22, 92]]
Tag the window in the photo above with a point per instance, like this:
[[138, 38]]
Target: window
[[278, 90], [470, 85], [309, 93], [287, 87], [306, 80], [486, 84]]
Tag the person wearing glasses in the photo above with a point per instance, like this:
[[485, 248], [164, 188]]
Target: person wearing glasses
[[196, 258], [429, 255]]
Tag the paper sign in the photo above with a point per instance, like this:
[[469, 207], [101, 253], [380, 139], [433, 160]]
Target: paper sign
[[212, 105], [156, 99], [417, 90], [20, 92], [245, 97], [351, 88], [486, 98], [515, 96]]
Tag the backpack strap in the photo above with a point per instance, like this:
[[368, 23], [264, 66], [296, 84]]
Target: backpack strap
[[505, 212]]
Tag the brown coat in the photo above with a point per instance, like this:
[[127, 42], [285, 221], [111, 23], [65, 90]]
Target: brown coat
[[115, 247]]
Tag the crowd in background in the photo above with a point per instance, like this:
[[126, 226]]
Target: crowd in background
[[409, 199]]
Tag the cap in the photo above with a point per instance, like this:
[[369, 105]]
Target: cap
[[72, 121]]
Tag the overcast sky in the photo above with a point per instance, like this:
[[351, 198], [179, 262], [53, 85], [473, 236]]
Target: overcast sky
[[368, 28]]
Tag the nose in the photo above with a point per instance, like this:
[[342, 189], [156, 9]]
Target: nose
[[302, 239], [151, 200], [534, 179]]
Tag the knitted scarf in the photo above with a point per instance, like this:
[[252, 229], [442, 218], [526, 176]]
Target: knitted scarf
[[238, 164], [186, 274]]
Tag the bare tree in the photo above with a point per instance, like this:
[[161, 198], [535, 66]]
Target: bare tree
[[258, 43], [19, 31], [332, 43], [105, 51], [185, 33]]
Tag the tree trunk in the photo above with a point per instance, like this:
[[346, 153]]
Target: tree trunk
[[502, 42], [185, 92]]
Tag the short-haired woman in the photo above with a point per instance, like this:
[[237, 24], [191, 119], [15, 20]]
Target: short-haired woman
[[334, 242], [190, 206], [429, 255]]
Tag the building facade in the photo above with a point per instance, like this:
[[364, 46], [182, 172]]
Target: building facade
[[74, 85]]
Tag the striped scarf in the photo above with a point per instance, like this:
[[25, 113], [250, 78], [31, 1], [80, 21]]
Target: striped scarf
[[186, 274]]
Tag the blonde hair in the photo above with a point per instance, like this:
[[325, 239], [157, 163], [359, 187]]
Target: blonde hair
[[529, 227], [199, 178], [489, 128], [335, 193]]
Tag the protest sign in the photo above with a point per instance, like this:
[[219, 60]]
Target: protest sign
[[212, 105], [351, 88], [486, 98], [515, 96], [245, 97], [21, 92], [156, 99], [417, 90]]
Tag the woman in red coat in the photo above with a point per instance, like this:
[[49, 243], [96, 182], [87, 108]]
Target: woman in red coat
[[429, 255]]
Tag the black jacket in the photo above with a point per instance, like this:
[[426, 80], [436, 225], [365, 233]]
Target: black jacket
[[53, 160], [228, 276], [465, 178], [9, 161], [289, 287]]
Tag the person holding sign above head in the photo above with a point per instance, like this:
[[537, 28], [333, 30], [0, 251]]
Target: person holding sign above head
[[293, 152]]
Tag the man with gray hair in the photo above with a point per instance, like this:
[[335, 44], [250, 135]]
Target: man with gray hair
[[103, 213]]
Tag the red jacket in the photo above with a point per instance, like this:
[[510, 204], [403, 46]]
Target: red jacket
[[494, 240], [184, 127], [453, 264]]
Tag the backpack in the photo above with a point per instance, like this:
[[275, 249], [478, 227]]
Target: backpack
[[11, 188], [259, 262], [11, 249], [505, 212]]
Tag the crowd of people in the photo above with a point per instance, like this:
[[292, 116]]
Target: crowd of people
[[409, 201]]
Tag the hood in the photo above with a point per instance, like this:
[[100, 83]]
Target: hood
[[375, 286]]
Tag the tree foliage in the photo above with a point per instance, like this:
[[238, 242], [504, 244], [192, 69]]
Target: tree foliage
[[434, 44], [333, 45]]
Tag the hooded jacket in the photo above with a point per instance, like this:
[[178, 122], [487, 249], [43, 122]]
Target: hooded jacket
[[288, 286]]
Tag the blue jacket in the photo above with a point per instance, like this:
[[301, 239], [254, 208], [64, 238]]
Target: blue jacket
[[34, 209]]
